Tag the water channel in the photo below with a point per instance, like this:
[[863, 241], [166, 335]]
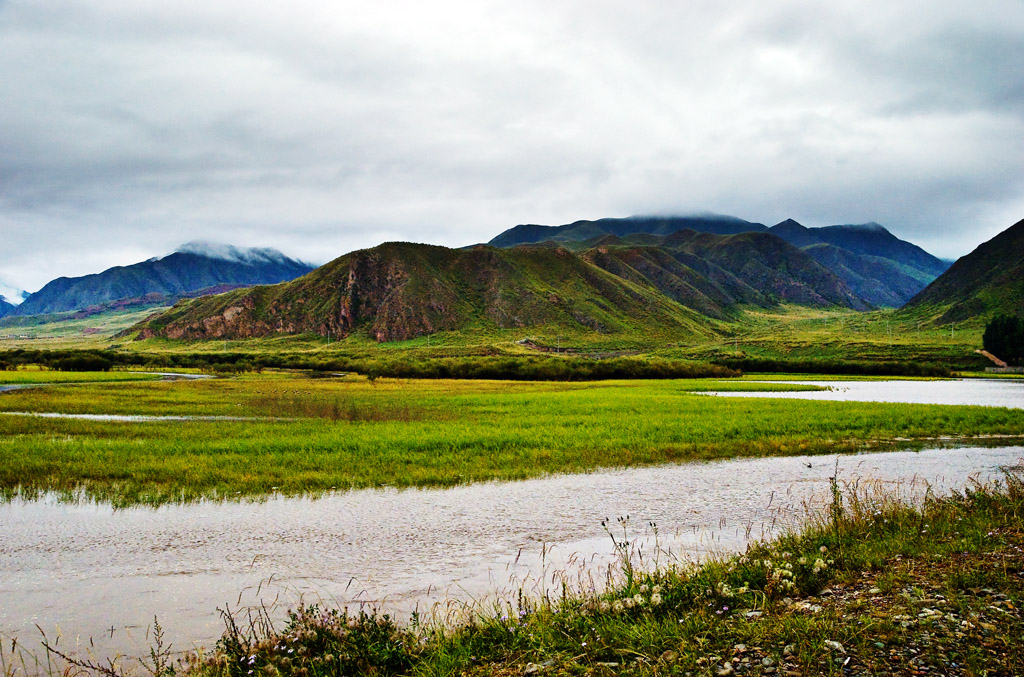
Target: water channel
[[87, 572]]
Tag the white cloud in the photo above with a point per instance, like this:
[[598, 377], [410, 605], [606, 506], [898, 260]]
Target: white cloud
[[318, 128]]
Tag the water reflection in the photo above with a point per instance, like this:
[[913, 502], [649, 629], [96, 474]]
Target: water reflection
[[985, 392]]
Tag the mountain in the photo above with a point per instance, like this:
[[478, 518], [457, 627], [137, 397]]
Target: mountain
[[988, 280], [193, 267], [10, 297], [880, 268], [714, 273], [866, 239], [397, 291], [653, 225]]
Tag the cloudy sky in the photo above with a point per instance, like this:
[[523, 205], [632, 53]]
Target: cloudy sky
[[128, 127]]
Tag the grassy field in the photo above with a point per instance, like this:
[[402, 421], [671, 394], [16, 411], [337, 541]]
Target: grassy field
[[308, 435], [68, 331], [32, 376]]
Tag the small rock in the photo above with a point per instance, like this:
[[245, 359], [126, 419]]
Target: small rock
[[726, 669], [739, 648], [789, 650], [753, 614], [532, 669], [834, 646], [767, 661], [669, 656], [875, 591]]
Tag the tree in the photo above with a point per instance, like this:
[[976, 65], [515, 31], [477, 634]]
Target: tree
[[1004, 338]]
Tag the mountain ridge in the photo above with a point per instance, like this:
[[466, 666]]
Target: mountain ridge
[[175, 274], [398, 291], [909, 268]]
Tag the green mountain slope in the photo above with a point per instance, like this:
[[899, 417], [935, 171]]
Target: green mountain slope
[[714, 274], [877, 280], [988, 280], [881, 268], [397, 291]]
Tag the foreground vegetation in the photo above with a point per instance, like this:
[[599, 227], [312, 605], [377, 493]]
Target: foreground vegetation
[[871, 587], [295, 434]]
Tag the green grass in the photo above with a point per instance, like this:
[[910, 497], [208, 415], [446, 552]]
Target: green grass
[[321, 434], [31, 376], [69, 330]]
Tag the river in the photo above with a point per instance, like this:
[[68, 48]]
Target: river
[[89, 572]]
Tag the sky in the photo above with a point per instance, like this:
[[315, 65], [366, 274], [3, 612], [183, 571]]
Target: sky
[[129, 127]]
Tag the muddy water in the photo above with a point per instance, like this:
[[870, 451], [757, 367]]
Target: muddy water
[[88, 571], [987, 392]]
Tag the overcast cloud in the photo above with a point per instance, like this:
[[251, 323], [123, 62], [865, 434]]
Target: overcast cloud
[[127, 128]]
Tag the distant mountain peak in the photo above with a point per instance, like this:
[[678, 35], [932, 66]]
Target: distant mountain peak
[[227, 252], [789, 223], [11, 294], [195, 267], [870, 227]]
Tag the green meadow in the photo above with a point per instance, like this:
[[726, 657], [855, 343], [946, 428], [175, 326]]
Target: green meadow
[[293, 434], [46, 376]]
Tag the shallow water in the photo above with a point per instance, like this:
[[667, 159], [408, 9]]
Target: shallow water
[[132, 418], [986, 392], [86, 571]]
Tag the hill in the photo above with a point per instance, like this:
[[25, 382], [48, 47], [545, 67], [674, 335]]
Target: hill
[[397, 291], [866, 239], [713, 274], [880, 268], [5, 307], [193, 267], [988, 280]]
